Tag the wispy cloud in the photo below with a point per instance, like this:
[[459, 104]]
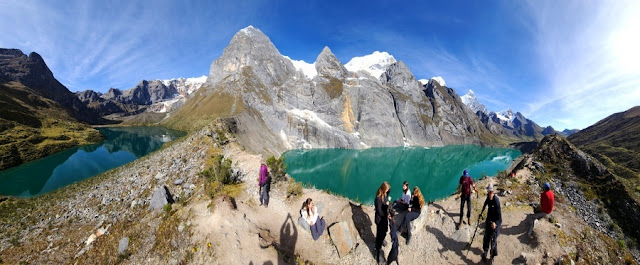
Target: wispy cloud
[[97, 45], [587, 74]]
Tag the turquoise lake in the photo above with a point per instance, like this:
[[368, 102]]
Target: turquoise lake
[[121, 146], [357, 174]]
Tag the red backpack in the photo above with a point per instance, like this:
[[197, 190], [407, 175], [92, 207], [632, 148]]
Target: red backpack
[[466, 185]]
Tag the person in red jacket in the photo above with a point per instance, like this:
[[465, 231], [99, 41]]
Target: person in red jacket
[[546, 206]]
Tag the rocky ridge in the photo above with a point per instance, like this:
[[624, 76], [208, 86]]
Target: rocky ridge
[[155, 96], [278, 107]]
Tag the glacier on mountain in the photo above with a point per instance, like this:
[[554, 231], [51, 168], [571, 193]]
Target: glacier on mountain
[[374, 64]]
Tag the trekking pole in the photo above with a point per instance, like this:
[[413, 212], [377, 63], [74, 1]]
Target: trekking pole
[[474, 235]]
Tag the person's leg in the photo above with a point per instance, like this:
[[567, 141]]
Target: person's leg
[[535, 220], [261, 195], [494, 243], [469, 209], [461, 209], [407, 221], [266, 197], [485, 241]]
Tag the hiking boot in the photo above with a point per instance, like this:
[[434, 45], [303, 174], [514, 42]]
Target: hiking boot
[[484, 259], [408, 241], [458, 226]]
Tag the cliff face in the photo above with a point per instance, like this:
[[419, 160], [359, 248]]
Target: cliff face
[[32, 72], [278, 107]]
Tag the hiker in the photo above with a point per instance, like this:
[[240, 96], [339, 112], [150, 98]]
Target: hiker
[[417, 202], [264, 184], [402, 204], [545, 208], [464, 186], [492, 224], [310, 214], [393, 232], [381, 218]]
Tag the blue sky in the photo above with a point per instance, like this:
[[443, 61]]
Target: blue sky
[[566, 64]]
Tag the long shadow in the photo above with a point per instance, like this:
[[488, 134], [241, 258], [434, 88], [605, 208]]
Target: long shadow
[[363, 224], [288, 238], [449, 244], [522, 229]]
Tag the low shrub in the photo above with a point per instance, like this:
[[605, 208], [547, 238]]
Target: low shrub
[[277, 168]]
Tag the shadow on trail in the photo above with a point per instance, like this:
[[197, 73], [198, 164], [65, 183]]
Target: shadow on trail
[[288, 238], [449, 244], [363, 224], [522, 229]]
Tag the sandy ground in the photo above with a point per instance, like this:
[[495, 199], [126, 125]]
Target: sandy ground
[[253, 234]]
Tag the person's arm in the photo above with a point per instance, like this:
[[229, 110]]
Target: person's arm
[[499, 208], [378, 205]]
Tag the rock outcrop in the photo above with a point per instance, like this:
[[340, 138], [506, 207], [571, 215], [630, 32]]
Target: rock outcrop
[[574, 165]]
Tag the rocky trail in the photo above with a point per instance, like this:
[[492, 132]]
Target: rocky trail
[[122, 217]]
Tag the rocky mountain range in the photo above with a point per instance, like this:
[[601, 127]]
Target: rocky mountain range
[[158, 96], [506, 122], [276, 103]]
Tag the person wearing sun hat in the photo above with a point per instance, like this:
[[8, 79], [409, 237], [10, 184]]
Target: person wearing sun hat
[[492, 224], [546, 206]]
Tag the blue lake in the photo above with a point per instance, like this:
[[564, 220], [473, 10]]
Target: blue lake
[[357, 174], [121, 146]]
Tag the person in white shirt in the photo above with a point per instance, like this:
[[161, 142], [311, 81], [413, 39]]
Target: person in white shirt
[[310, 214]]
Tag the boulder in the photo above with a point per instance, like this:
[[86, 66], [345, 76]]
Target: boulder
[[123, 245], [343, 236], [416, 225], [178, 181], [462, 235], [161, 196]]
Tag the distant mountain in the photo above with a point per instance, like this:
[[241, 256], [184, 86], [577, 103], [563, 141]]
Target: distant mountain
[[615, 141], [568, 132], [549, 131], [38, 115], [277, 103], [506, 122], [472, 102], [157, 96]]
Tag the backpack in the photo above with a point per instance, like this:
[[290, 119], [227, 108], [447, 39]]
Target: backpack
[[466, 186]]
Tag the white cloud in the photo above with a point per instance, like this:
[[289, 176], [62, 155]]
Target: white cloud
[[584, 51]]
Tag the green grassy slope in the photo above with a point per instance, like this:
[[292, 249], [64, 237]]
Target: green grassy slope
[[32, 126]]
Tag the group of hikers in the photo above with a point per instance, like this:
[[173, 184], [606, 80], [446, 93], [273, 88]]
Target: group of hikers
[[411, 203]]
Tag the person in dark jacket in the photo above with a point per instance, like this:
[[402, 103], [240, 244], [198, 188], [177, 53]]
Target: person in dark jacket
[[381, 218], [492, 224], [393, 232], [417, 202]]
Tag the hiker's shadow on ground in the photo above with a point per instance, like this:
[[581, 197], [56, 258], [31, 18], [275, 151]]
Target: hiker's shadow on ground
[[449, 244], [363, 224], [288, 238], [522, 229]]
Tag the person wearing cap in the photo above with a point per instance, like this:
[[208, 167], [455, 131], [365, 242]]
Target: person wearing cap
[[464, 186], [492, 224], [546, 206]]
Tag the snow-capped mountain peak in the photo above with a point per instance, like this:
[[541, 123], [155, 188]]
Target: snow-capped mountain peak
[[472, 102], [423, 81], [375, 63], [440, 80], [308, 69], [506, 115], [185, 86]]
